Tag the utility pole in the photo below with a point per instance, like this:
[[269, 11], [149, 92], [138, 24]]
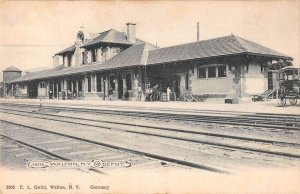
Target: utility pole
[[198, 36]]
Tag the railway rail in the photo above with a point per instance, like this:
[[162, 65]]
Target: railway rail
[[126, 154], [214, 137], [258, 146], [15, 153], [38, 154], [72, 119], [274, 121]]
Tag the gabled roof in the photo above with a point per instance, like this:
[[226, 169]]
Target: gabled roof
[[135, 55], [67, 50], [228, 45], [38, 74], [254, 48], [110, 36], [12, 69], [146, 54]]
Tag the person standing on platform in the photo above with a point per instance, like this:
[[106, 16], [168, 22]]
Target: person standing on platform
[[110, 92], [126, 95], [139, 93], [168, 94]]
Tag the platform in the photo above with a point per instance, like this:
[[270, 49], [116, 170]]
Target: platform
[[210, 105]]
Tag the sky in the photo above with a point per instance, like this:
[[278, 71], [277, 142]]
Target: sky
[[32, 32]]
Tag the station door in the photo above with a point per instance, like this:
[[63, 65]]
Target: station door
[[32, 90]]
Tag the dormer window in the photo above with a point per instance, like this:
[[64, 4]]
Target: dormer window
[[69, 57], [94, 55], [83, 58]]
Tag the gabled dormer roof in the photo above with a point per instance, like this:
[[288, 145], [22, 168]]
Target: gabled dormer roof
[[110, 36], [70, 49]]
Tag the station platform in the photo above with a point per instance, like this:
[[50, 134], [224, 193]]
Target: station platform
[[269, 107]]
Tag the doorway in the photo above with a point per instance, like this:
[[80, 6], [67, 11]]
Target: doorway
[[55, 90], [120, 86], [270, 80], [32, 90]]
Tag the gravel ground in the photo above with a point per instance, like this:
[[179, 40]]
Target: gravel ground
[[199, 153]]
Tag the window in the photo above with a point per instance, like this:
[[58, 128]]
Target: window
[[69, 60], [211, 72], [222, 71], [296, 74], [63, 60], [82, 58], [99, 84], [128, 82], [202, 72], [22, 86], [94, 55], [42, 85], [89, 83], [80, 86], [59, 87]]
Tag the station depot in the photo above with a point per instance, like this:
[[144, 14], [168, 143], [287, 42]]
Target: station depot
[[114, 65]]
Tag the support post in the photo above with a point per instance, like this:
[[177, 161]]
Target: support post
[[46, 89], [106, 87], [77, 89], [53, 90], [95, 79], [86, 88], [72, 88], [57, 90], [102, 84]]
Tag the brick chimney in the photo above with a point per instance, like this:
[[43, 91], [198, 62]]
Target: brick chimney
[[131, 33], [55, 59]]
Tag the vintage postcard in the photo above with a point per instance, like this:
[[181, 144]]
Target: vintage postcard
[[150, 97]]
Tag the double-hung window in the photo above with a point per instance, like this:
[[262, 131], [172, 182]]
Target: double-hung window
[[211, 71], [202, 72], [222, 71]]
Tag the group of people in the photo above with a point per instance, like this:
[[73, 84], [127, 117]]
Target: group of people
[[111, 91], [151, 93]]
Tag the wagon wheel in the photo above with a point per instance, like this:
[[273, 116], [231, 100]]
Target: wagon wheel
[[293, 101], [281, 101]]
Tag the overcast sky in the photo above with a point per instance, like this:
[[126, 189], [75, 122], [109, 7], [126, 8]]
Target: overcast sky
[[31, 32]]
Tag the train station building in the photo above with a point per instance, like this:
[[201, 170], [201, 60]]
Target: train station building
[[120, 63]]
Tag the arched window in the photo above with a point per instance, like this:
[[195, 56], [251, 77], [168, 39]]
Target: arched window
[[112, 82], [128, 82]]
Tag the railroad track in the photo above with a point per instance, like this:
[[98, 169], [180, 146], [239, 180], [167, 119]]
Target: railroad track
[[214, 139], [51, 143], [16, 153], [273, 121]]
